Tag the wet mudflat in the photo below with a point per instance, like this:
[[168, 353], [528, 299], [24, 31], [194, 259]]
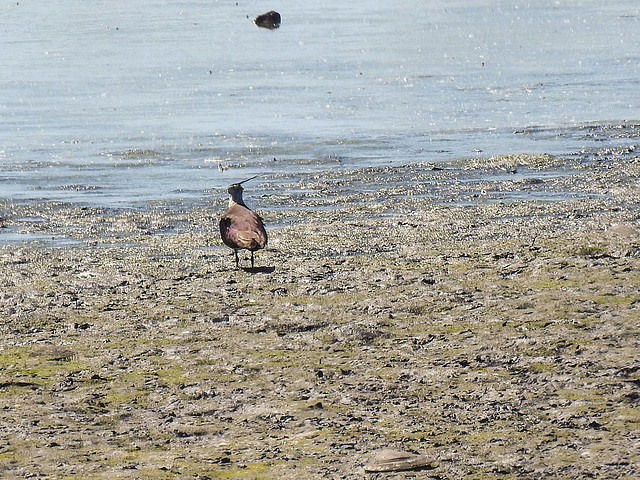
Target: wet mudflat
[[494, 338]]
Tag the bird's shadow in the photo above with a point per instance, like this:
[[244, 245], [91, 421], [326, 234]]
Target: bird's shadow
[[255, 270]]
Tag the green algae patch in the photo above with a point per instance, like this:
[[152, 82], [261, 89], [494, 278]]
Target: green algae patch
[[612, 299], [37, 366], [541, 367]]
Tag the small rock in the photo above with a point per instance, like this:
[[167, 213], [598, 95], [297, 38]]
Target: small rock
[[623, 230], [388, 460]]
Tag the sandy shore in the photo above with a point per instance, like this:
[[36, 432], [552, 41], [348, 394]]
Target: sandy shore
[[498, 339]]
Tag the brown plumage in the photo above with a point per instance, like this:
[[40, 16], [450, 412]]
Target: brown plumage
[[240, 227]]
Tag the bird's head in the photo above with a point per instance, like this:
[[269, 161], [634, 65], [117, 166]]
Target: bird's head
[[235, 190]]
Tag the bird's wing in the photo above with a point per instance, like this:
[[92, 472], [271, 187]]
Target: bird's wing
[[225, 231], [242, 228]]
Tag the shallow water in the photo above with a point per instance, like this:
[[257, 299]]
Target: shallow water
[[147, 104]]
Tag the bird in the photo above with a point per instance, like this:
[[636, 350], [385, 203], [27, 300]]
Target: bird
[[240, 227]]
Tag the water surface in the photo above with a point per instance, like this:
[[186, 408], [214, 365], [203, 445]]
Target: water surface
[[135, 105]]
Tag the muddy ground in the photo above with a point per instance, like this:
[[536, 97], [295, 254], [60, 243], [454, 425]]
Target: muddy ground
[[498, 337]]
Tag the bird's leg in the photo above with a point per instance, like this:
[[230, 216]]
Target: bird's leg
[[237, 259], [251, 258]]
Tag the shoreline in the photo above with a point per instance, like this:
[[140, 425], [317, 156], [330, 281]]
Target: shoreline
[[365, 193], [496, 339]]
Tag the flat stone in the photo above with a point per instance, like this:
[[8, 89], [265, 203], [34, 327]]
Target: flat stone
[[388, 460]]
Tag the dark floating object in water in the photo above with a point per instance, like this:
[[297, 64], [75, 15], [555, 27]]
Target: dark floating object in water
[[240, 227], [270, 20]]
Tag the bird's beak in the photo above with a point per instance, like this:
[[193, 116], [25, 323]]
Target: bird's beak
[[248, 179]]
